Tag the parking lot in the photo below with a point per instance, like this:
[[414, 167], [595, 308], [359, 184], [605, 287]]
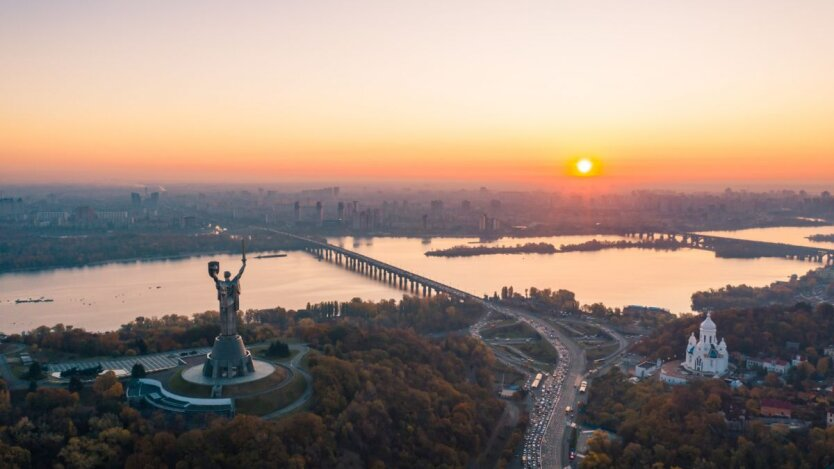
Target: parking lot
[[152, 362]]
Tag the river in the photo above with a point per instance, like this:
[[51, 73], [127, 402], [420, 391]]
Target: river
[[781, 234], [106, 296]]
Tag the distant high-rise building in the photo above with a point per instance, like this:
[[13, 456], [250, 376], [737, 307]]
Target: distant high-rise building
[[341, 211], [11, 207], [466, 205], [376, 219], [488, 224], [135, 199], [363, 220], [83, 215]]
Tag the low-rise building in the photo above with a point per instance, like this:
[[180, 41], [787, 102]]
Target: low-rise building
[[673, 373], [113, 217], [829, 418], [53, 218], [646, 368], [776, 408], [771, 365], [25, 359]]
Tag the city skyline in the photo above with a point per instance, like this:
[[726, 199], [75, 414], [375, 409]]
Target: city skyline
[[658, 93]]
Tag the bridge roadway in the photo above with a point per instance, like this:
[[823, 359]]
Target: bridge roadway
[[553, 445], [745, 247], [376, 269]]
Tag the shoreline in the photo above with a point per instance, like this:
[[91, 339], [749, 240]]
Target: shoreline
[[132, 260]]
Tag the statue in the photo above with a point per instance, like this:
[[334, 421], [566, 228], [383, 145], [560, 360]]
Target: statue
[[228, 293], [229, 357]]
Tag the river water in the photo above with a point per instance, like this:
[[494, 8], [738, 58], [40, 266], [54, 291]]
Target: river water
[[104, 297], [782, 234]]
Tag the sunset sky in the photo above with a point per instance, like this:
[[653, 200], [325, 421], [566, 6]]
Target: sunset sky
[[473, 91]]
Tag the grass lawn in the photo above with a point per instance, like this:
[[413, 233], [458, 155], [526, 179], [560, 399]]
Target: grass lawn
[[587, 329], [256, 386], [262, 355], [599, 352], [271, 401], [178, 385], [510, 375], [514, 331], [18, 370], [540, 350]]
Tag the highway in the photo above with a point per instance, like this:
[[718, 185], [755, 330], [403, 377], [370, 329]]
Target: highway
[[553, 451]]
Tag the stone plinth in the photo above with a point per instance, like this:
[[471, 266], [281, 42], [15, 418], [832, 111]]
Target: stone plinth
[[228, 359]]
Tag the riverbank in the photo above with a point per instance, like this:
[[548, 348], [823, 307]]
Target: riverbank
[[30, 252]]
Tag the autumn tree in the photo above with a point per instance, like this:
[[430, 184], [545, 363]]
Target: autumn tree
[[108, 386]]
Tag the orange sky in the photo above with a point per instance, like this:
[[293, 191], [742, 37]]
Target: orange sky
[[482, 91]]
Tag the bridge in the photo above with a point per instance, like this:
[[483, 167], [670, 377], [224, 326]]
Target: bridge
[[740, 248], [375, 269]]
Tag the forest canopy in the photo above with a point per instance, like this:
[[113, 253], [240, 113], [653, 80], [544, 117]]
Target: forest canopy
[[382, 397]]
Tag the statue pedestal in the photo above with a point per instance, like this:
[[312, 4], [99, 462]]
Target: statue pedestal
[[228, 358]]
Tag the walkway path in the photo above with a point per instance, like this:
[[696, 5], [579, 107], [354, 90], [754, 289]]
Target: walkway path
[[294, 366]]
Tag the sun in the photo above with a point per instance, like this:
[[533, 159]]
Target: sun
[[584, 166]]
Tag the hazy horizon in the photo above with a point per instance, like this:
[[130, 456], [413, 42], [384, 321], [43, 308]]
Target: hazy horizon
[[416, 186]]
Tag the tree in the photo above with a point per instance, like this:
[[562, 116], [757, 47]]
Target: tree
[[278, 349], [108, 386], [14, 456], [141, 345], [823, 366], [75, 384], [35, 371], [5, 397], [138, 371]]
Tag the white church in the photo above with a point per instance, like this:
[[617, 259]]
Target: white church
[[706, 355]]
